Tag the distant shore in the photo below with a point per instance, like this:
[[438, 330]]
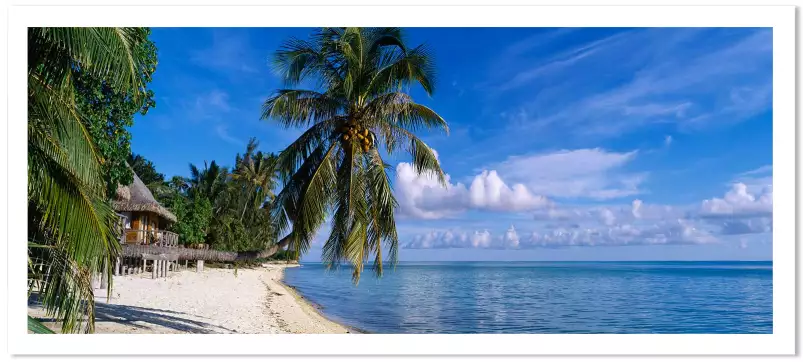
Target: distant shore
[[213, 301]]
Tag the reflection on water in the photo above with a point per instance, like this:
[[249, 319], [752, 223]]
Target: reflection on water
[[541, 297]]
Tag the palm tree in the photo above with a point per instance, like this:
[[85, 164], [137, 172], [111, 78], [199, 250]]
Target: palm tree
[[71, 224], [208, 183], [257, 173], [336, 167]]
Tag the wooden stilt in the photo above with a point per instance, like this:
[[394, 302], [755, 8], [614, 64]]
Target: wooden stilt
[[153, 269], [199, 266], [103, 276]]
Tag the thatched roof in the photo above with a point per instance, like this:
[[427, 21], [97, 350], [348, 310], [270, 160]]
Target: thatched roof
[[137, 197]]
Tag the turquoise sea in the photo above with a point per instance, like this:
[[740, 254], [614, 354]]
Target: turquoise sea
[[546, 297]]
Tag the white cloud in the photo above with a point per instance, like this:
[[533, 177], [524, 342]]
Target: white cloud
[[677, 232], [422, 196], [583, 173], [635, 209], [666, 233], [758, 180], [667, 140], [739, 212], [738, 202], [510, 240], [450, 239], [488, 191]]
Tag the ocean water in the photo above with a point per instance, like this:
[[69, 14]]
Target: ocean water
[[547, 297]]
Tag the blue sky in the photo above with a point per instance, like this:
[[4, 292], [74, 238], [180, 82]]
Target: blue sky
[[564, 144]]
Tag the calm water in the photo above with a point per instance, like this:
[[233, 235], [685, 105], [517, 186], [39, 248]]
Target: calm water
[[547, 297]]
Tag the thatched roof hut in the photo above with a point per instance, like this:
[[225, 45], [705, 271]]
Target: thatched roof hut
[[138, 198]]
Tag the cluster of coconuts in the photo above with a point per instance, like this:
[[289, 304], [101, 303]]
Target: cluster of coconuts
[[353, 131]]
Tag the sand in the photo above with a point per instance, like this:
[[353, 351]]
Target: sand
[[213, 301]]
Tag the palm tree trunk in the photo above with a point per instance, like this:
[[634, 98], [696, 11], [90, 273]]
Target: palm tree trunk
[[204, 254]]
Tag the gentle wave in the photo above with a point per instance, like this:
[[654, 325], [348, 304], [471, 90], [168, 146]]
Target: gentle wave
[[547, 297]]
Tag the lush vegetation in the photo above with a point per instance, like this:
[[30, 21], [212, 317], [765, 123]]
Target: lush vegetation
[[84, 86], [224, 208], [359, 110]]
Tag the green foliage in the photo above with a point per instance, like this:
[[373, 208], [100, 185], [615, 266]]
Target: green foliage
[[107, 112], [74, 76], [214, 206], [241, 222], [193, 217], [335, 167]]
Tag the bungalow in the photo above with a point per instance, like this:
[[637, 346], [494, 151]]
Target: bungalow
[[144, 220]]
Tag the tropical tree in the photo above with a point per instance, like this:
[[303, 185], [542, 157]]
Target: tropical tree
[[241, 222], [208, 182], [255, 171], [359, 103], [71, 224]]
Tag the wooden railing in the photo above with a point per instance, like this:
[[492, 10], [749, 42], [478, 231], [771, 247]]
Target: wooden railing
[[150, 237]]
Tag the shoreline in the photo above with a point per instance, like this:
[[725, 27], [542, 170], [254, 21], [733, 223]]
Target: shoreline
[[215, 301], [316, 308], [307, 307]]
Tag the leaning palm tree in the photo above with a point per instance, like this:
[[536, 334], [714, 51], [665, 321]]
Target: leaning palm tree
[[335, 168], [71, 224]]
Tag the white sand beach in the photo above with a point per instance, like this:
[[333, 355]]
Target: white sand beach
[[213, 301]]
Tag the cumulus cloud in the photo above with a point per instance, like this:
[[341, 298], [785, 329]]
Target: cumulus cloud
[[510, 239], [582, 173], [757, 180], [738, 202], [490, 192], [422, 196]]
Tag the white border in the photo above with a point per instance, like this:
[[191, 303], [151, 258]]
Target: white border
[[782, 19]]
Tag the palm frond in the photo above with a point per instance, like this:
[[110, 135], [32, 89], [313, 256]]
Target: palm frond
[[107, 53], [295, 108], [36, 327], [63, 287]]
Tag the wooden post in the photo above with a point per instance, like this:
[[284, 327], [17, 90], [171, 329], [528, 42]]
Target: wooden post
[[186, 264], [153, 269], [199, 266], [103, 276], [144, 264]]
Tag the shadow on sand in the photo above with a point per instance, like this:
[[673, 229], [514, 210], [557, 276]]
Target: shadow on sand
[[136, 317], [144, 318]]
